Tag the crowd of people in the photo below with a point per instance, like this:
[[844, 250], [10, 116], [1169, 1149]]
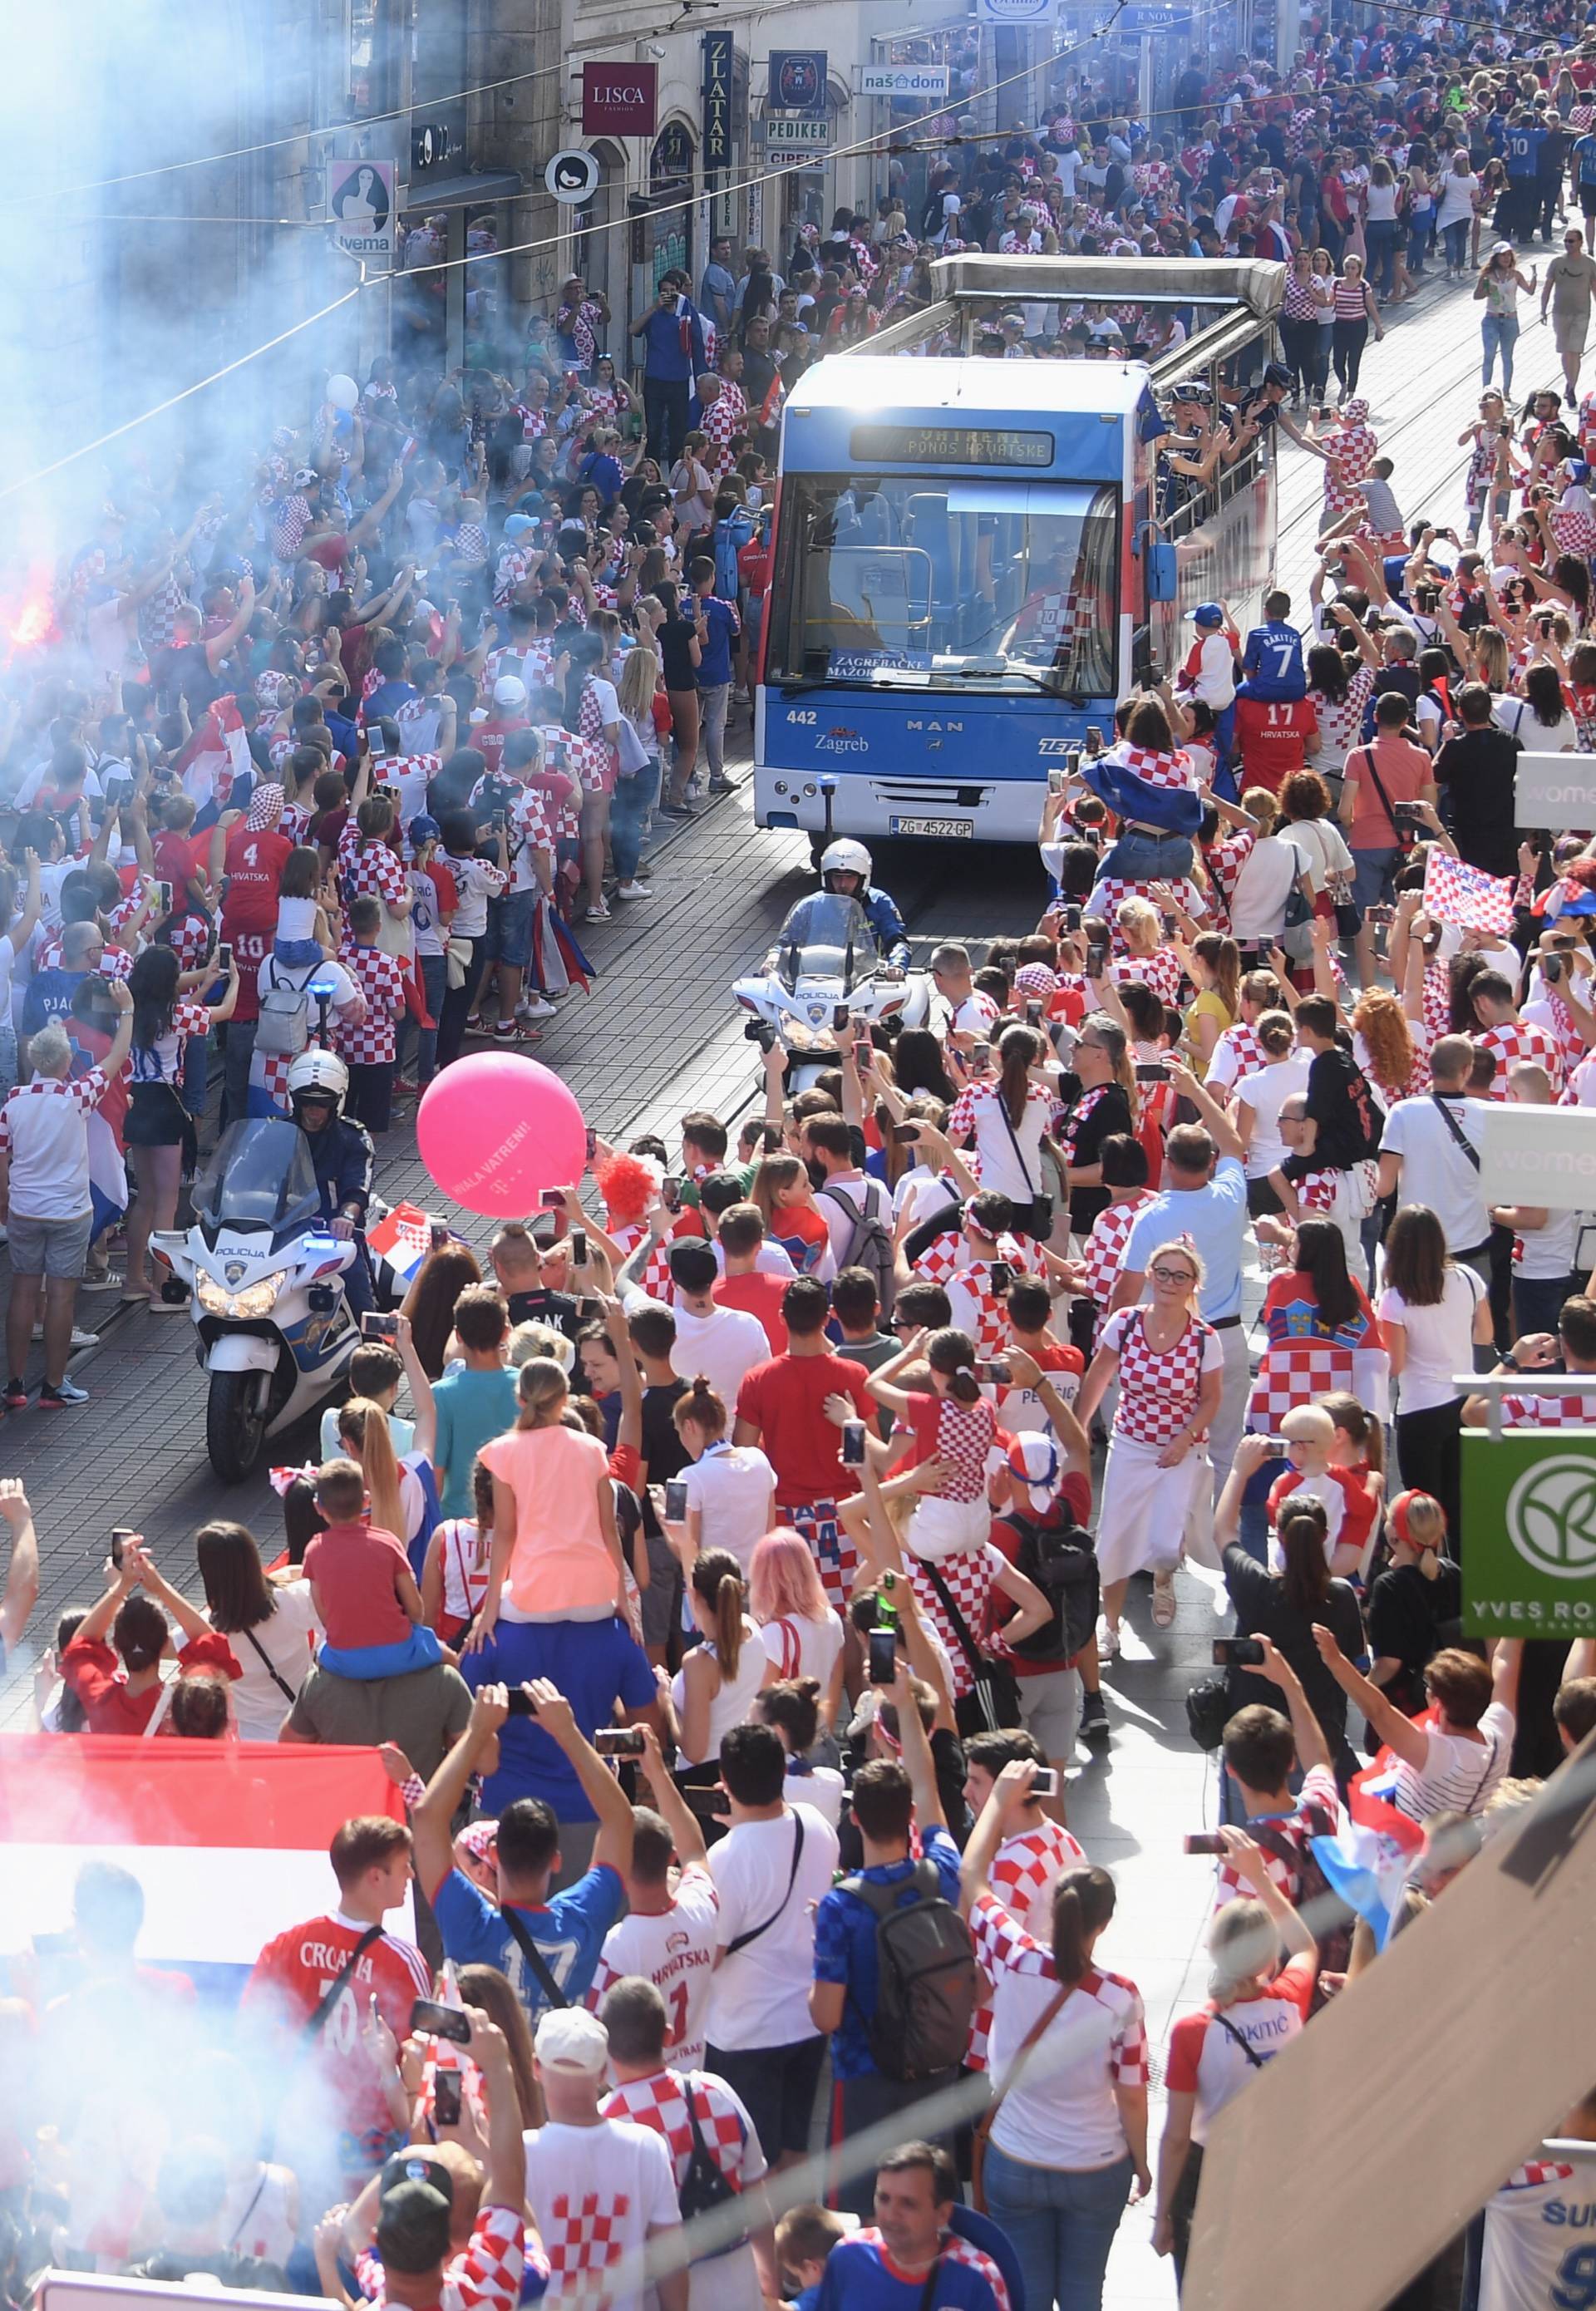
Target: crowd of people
[[731, 1560]]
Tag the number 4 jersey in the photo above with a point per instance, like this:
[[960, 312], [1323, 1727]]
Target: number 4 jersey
[[1541, 2235]]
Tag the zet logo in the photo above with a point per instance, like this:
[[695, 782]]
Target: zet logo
[[1551, 1517]]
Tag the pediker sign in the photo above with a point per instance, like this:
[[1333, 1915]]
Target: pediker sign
[[620, 100]]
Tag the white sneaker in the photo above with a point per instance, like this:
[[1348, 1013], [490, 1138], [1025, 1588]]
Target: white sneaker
[[633, 891], [79, 1338], [534, 1007]]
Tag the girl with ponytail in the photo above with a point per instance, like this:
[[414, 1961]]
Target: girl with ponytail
[[956, 1426], [1285, 1605], [714, 1688], [731, 1488], [1006, 1121], [1067, 2135], [1415, 1604], [557, 1553]]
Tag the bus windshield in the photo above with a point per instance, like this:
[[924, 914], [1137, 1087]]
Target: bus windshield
[[920, 582]]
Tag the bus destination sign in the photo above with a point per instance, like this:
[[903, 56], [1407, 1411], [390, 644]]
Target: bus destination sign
[[949, 445]]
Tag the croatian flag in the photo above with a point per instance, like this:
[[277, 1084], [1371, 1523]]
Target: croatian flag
[[228, 1839], [1456, 892], [217, 754], [403, 1237], [1368, 1870]]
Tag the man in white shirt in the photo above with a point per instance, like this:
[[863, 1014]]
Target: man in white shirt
[[45, 1199], [603, 2187], [849, 1195], [1436, 1137], [672, 1926], [723, 1344], [963, 1009], [770, 1871]]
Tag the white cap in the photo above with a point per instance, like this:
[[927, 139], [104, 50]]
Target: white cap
[[510, 690], [572, 2037]]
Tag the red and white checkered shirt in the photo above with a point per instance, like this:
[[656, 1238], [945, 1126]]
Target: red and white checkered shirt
[[374, 872], [727, 417], [1316, 1814], [962, 1437], [486, 2277], [1520, 1039], [1158, 1393], [380, 978], [967, 1576], [1003, 1947], [1224, 859], [85, 1090], [1537, 2171], [661, 2101], [1104, 1254], [1025, 1871], [1549, 1411], [1237, 1053], [1161, 971], [1107, 893]]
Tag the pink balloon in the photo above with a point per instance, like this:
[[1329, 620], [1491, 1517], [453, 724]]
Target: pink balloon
[[495, 1130]]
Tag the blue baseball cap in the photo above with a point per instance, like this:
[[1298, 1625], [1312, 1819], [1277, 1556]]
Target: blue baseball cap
[[1208, 613], [423, 829], [517, 524]]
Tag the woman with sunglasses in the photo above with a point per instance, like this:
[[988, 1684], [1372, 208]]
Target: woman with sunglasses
[[1170, 1368]]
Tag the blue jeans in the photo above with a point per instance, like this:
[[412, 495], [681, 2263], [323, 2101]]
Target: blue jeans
[[630, 805], [1146, 858], [1370, 870], [196, 1075], [1456, 237], [1418, 240], [1061, 2223], [1380, 236], [1498, 332], [239, 1036], [435, 979]]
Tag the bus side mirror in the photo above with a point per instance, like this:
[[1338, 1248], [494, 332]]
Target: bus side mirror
[[1160, 569]]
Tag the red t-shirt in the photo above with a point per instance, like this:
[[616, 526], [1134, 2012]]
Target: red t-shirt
[[293, 1976], [254, 863], [784, 1401], [179, 858], [1075, 1494], [1274, 737], [757, 1295], [355, 1567], [95, 1674]]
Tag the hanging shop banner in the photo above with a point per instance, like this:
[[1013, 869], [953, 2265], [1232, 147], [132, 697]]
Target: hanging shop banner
[[719, 55], [796, 82], [620, 100]]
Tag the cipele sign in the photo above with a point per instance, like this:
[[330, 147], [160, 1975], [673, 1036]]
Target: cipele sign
[[620, 100]]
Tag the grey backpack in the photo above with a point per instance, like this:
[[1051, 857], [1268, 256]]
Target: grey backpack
[[284, 1029]]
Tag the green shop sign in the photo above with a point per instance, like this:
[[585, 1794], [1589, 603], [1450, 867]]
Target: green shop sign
[[1529, 1537]]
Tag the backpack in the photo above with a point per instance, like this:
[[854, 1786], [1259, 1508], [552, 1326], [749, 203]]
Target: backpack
[[705, 2183], [283, 1028], [869, 1243], [1061, 1558], [925, 1973]]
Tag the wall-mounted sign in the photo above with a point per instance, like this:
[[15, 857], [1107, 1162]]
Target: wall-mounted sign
[[1530, 1532], [904, 79], [620, 100], [431, 141], [1558, 789], [671, 160], [720, 61], [574, 175], [1544, 1156], [794, 134], [360, 206], [796, 82]]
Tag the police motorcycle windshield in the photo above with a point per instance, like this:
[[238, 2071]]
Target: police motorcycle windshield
[[261, 1176], [826, 936]]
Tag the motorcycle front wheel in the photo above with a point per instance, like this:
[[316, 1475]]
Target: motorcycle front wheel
[[235, 1424]]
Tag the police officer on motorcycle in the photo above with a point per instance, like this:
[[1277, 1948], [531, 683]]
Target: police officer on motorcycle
[[845, 869], [342, 1157]]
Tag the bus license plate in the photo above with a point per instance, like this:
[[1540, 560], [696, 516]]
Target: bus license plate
[[947, 827]]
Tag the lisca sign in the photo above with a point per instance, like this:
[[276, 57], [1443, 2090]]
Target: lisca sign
[[1529, 1537]]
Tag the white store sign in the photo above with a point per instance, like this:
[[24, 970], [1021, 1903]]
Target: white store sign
[[797, 133], [904, 79], [1555, 791], [1544, 1156]]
